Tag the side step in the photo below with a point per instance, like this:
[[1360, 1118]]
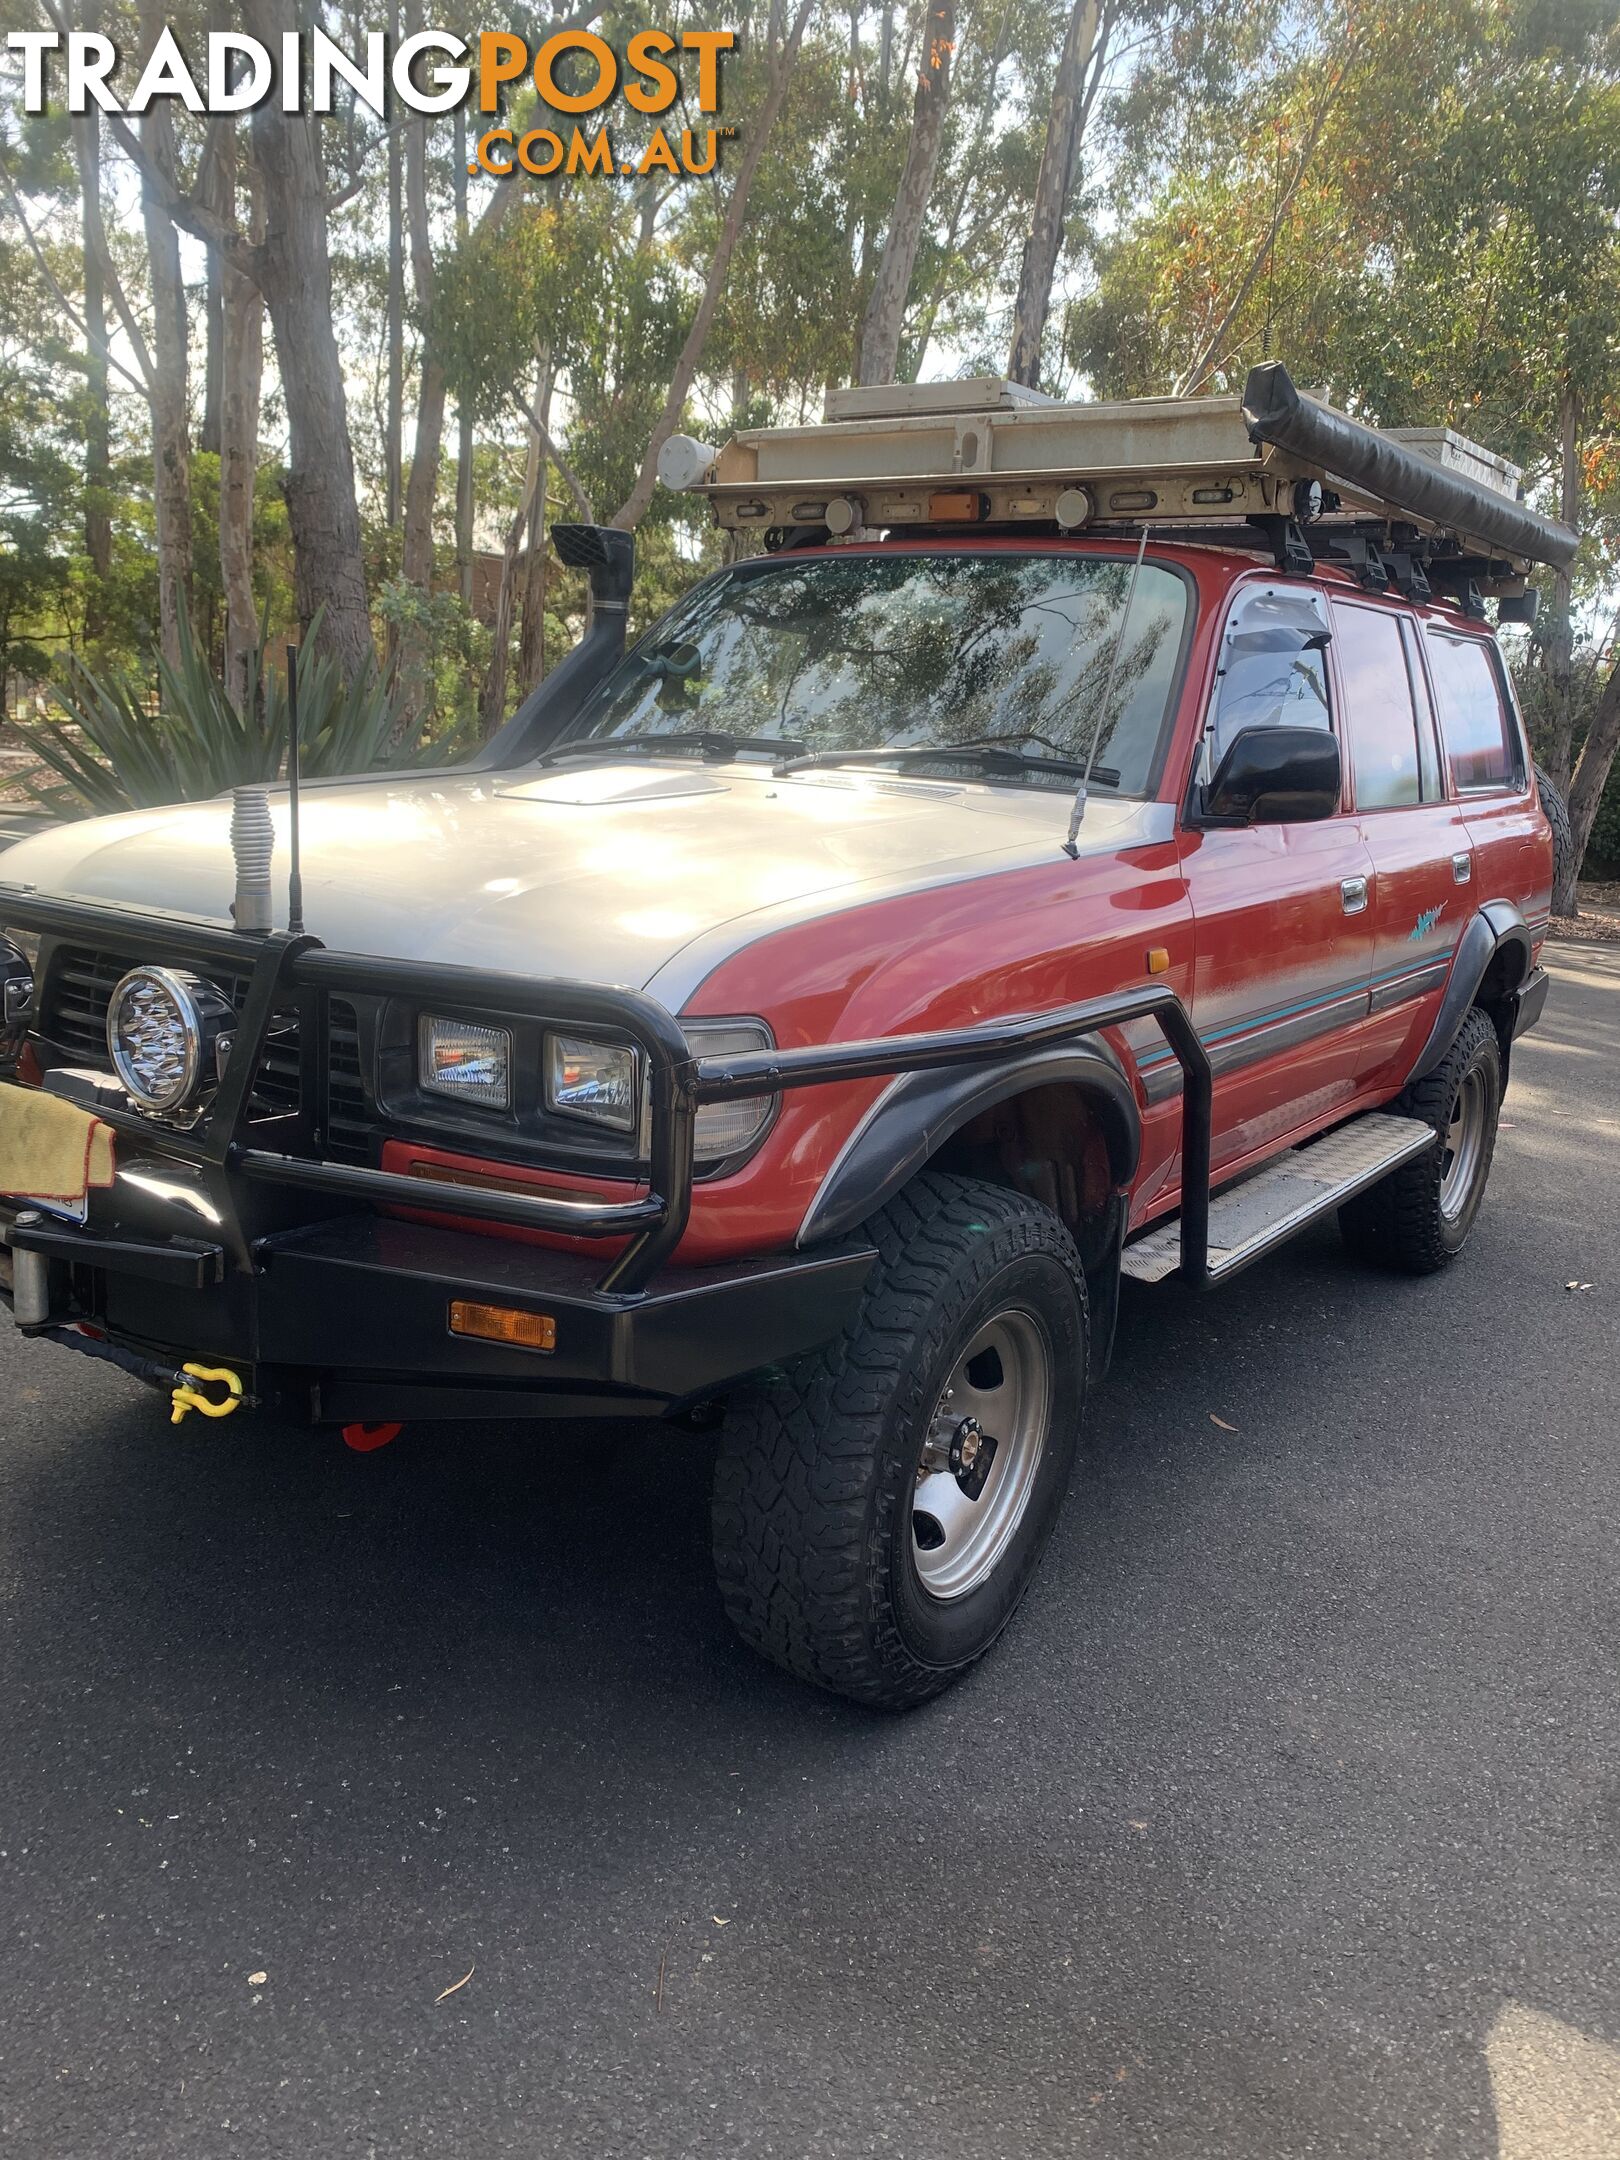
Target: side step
[[1249, 1218]]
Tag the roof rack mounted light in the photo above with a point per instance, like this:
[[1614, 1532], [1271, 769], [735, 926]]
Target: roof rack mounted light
[[1262, 471]]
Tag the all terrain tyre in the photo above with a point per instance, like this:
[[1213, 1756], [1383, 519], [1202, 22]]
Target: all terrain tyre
[[1418, 1219], [1558, 818], [880, 1508]]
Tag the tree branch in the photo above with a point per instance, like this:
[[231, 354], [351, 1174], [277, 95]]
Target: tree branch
[[1204, 366], [569, 478], [686, 367], [182, 209], [97, 232], [99, 346]]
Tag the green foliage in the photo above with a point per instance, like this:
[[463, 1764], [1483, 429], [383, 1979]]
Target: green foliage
[[1444, 175], [1603, 848], [112, 751], [454, 648], [38, 487]]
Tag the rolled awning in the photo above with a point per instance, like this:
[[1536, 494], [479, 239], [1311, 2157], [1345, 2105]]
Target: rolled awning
[[1275, 413]]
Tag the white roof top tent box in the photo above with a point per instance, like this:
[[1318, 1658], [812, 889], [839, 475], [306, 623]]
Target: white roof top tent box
[[1263, 470], [1444, 446]]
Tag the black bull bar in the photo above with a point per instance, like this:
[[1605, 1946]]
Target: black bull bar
[[285, 970]]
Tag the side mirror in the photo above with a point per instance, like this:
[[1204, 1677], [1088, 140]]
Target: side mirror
[[1276, 776]]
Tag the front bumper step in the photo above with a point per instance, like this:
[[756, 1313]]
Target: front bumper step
[[1260, 1212]]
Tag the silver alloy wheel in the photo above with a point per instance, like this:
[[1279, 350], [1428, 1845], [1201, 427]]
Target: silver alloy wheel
[[1463, 1146], [999, 1392]]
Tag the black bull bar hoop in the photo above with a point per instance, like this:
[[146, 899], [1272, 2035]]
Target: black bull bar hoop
[[285, 968]]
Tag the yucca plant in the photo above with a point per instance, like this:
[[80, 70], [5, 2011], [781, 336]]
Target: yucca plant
[[110, 752]]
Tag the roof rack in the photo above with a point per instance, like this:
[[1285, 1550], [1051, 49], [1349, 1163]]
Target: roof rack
[[1273, 470]]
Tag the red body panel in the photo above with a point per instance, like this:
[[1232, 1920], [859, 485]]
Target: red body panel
[[1278, 973]]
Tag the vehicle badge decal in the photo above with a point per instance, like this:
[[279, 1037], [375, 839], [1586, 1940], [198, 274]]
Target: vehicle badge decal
[[1425, 923]]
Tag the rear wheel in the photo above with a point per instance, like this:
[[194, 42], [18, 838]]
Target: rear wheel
[[1418, 1218], [880, 1510]]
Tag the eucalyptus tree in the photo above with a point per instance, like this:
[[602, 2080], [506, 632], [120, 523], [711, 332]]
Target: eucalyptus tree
[[881, 326], [1469, 271]]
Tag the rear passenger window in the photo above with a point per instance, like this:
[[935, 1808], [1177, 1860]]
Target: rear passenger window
[[1434, 786], [1475, 724], [1380, 718]]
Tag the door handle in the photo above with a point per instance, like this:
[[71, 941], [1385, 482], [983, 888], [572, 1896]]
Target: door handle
[[1353, 893], [1462, 868]]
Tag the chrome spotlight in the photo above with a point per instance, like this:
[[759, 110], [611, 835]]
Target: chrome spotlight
[[163, 1031]]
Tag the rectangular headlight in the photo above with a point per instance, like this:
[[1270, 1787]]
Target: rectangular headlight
[[727, 1128], [599, 1081], [469, 1063]]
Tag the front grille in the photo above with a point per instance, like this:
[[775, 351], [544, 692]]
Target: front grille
[[73, 1016], [77, 996], [351, 1125]]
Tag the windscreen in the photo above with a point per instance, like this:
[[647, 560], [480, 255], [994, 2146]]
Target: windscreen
[[856, 651]]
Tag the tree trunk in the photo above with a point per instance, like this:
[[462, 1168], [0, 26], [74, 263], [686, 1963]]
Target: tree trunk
[[492, 704], [171, 430], [1560, 645], [686, 367], [241, 379], [422, 488], [295, 277], [983, 136], [97, 425], [413, 657], [394, 419], [532, 649], [421, 491], [1052, 187], [1586, 789], [885, 310], [492, 699], [464, 418], [214, 189]]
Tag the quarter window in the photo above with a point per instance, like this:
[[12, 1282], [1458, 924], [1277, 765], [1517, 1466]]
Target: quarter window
[[1475, 724], [1378, 703], [1273, 672]]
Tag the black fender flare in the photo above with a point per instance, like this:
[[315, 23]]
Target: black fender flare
[[1498, 927], [919, 1111]]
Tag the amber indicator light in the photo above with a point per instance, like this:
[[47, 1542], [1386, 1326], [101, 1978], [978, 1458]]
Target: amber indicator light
[[1158, 959], [503, 1323], [966, 507]]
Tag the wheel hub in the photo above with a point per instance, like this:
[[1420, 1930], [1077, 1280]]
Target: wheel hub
[[971, 1453], [977, 1464]]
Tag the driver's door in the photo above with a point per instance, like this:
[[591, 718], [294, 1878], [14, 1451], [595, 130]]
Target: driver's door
[[1283, 914]]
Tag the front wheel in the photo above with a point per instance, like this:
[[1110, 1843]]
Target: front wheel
[[880, 1510]]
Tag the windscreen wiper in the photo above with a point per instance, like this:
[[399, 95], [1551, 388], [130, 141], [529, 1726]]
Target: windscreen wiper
[[708, 742], [989, 756]]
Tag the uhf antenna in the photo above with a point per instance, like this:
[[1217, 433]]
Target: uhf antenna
[[295, 877], [1079, 810]]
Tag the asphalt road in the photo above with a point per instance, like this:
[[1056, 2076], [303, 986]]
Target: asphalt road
[[1283, 1822]]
